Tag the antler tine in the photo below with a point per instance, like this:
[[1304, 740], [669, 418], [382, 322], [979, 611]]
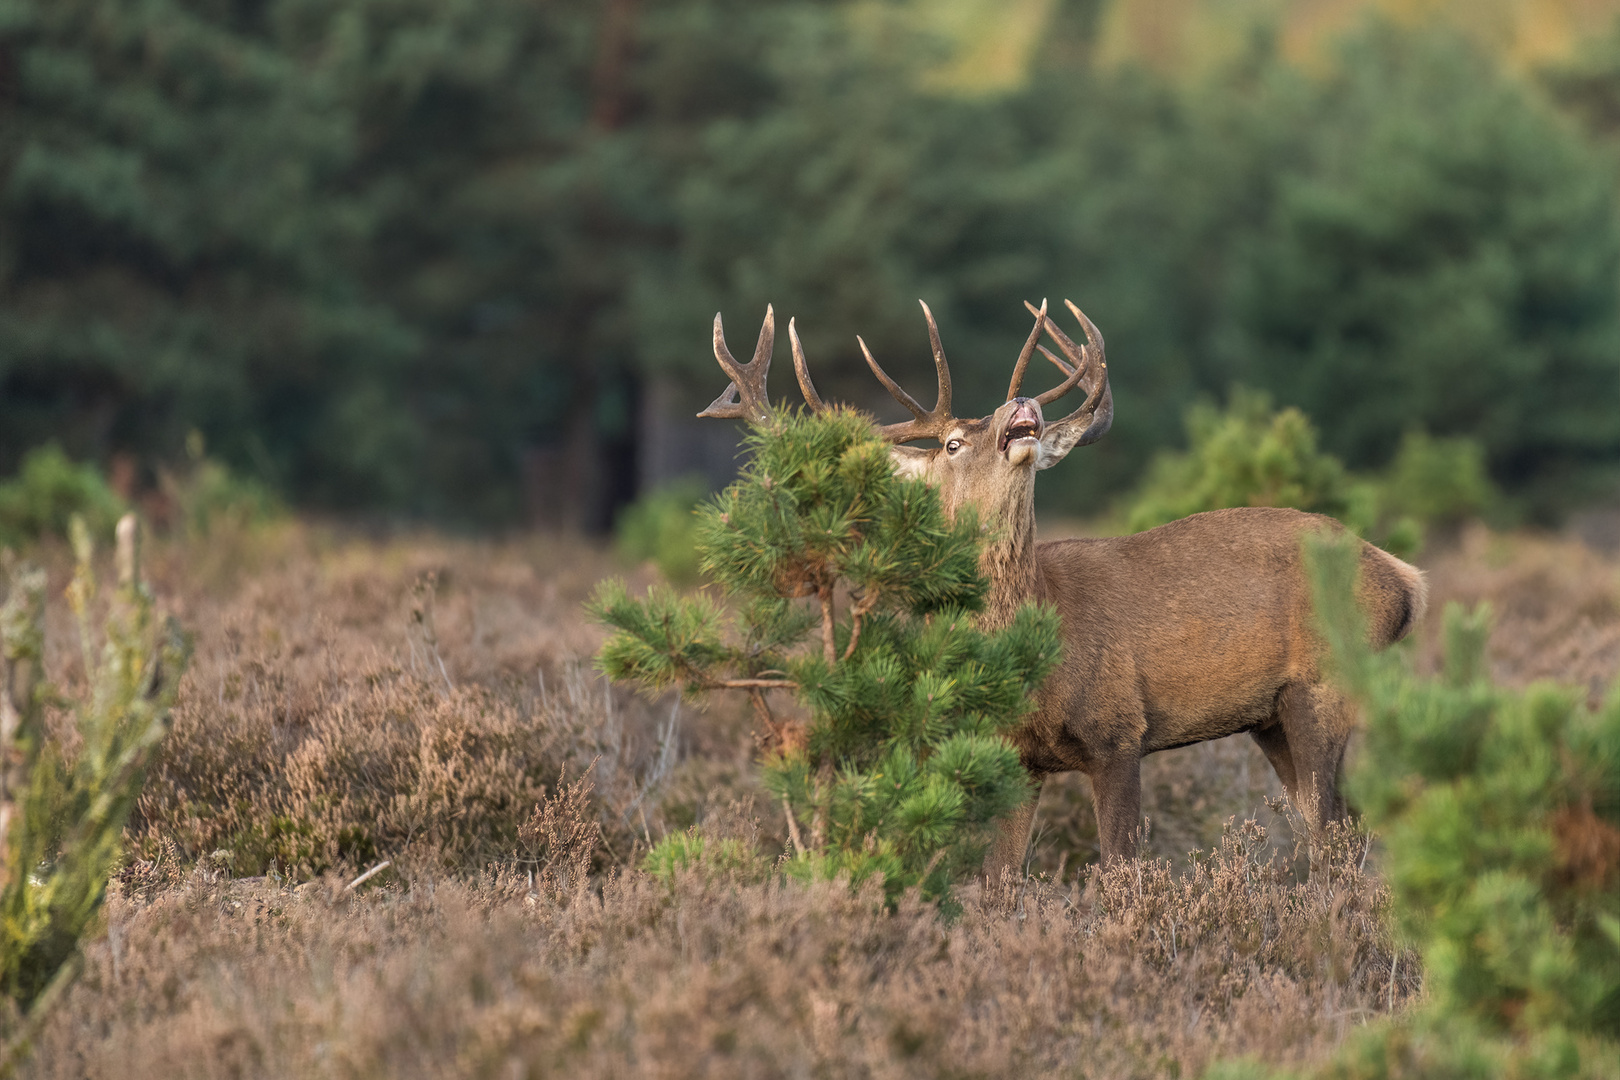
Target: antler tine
[[1028, 349], [928, 423], [942, 403], [745, 397], [894, 388], [802, 370], [1074, 371]]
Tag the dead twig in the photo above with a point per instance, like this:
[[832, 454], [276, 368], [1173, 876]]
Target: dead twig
[[368, 875]]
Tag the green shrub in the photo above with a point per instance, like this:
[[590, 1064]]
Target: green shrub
[[1253, 455], [63, 812], [1436, 481], [1248, 455], [1500, 815], [661, 527], [209, 496], [47, 491], [715, 857], [901, 770]]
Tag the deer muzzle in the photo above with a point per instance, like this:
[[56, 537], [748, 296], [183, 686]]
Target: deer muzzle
[[1020, 439]]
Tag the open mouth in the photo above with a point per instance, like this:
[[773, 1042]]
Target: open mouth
[[1022, 429], [1025, 423]]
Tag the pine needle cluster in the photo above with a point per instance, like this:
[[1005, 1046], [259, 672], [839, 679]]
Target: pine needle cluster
[[850, 588], [62, 818]]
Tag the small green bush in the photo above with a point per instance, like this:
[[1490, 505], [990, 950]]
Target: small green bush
[[1436, 481], [1253, 455], [661, 527], [210, 496], [45, 494], [1500, 815], [1247, 455], [62, 812], [715, 857]]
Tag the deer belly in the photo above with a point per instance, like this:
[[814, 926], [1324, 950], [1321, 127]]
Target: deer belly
[[1214, 685]]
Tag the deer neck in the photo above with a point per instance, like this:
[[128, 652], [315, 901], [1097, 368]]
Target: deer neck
[[1008, 559]]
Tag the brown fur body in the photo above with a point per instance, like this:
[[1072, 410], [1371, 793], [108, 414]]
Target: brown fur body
[[1192, 631]]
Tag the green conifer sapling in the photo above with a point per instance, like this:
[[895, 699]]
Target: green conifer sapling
[[852, 591]]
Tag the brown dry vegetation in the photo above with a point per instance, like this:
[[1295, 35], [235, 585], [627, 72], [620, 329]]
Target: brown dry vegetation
[[417, 700]]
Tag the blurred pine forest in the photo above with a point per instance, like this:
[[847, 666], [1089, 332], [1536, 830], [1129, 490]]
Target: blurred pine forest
[[420, 258]]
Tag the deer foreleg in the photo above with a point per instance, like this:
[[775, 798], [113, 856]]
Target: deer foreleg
[[1011, 844]]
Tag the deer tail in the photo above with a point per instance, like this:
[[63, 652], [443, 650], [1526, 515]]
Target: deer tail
[[1397, 594]]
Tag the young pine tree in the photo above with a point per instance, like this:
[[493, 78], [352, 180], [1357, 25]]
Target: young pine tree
[[1499, 811], [852, 591]]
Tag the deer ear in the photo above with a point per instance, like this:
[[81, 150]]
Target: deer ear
[[910, 462], [1056, 442]]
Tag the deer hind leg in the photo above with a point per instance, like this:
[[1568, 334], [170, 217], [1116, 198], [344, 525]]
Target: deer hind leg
[[1315, 720], [1007, 850], [1273, 742], [1116, 791]]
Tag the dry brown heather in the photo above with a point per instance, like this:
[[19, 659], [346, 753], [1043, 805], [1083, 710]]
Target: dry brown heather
[[317, 732]]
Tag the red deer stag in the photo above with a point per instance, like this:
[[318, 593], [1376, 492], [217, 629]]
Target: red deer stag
[[1195, 630]]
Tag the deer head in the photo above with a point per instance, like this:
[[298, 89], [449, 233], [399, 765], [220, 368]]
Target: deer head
[[989, 462]]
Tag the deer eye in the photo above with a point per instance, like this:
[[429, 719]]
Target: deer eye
[[953, 446]]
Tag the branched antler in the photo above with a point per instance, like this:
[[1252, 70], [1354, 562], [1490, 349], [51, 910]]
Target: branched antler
[[928, 424], [1086, 366], [744, 398]]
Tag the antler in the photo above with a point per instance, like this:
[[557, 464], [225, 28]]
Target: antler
[[1028, 349], [928, 424], [802, 369], [1095, 415], [744, 397]]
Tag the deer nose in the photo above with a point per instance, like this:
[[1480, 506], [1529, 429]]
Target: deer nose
[[1026, 411]]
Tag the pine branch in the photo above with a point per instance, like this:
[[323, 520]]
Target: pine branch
[[856, 614], [829, 646], [793, 827]]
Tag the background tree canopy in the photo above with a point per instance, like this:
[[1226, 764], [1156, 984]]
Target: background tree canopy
[[402, 256]]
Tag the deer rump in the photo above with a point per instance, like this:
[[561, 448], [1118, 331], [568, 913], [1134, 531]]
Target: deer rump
[[1192, 631]]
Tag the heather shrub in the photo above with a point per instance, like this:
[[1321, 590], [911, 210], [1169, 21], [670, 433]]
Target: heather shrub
[[63, 804], [1136, 972], [900, 769], [48, 490], [375, 763], [509, 967]]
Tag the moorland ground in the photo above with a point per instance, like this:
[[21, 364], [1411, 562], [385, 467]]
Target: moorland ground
[[430, 702]]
